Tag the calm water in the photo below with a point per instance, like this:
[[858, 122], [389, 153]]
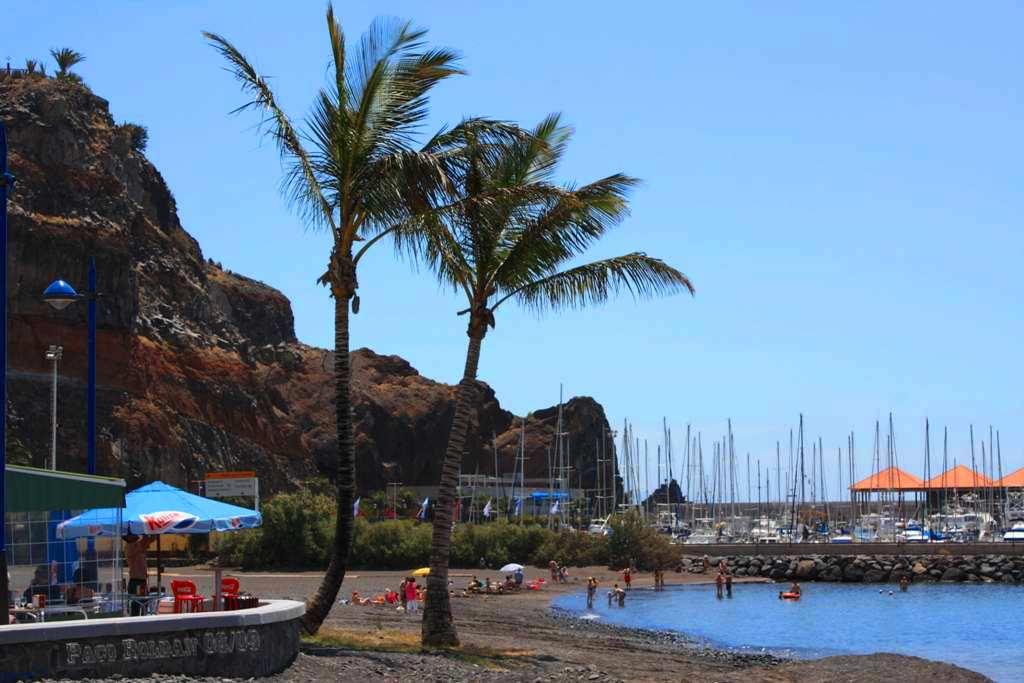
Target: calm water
[[976, 626]]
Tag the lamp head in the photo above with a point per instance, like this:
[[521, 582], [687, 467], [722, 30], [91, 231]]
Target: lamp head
[[60, 294]]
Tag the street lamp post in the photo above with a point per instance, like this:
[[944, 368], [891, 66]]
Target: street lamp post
[[53, 354], [6, 182], [60, 295]]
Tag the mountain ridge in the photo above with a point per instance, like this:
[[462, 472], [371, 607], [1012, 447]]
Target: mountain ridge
[[199, 368]]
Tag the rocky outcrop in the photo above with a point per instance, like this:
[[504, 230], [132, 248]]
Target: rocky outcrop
[[872, 568], [198, 367], [668, 493]]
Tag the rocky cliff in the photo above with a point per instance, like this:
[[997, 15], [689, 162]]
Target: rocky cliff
[[198, 368]]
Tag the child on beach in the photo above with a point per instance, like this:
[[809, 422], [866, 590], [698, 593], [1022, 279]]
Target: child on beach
[[627, 576], [719, 583], [411, 595], [613, 594], [591, 591]]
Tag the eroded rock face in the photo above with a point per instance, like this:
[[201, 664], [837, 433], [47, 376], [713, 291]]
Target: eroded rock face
[[198, 368]]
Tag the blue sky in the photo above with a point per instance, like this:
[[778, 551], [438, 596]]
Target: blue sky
[[842, 184]]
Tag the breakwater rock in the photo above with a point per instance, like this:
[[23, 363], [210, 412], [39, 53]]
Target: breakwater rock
[[870, 568]]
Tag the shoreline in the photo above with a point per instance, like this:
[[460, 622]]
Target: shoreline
[[549, 643], [678, 639], [523, 637]]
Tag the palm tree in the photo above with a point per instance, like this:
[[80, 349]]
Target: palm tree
[[352, 170], [66, 58], [518, 249]]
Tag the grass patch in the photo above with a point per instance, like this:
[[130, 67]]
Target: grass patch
[[408, 642]]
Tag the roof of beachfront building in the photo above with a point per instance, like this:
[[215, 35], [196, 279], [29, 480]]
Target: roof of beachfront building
[[889, 479], [959, 477], [1013, 479]]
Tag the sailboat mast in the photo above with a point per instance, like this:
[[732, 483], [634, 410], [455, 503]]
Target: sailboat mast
[[802, 477], [647, 482], [748, 481], [778, 472]]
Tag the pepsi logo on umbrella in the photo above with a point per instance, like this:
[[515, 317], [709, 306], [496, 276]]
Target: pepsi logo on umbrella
[[168, 521]]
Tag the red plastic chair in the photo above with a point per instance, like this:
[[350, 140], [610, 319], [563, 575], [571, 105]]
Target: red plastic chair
[[229, 588], [185, 596]]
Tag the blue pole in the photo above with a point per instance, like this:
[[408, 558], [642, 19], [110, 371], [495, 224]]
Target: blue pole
[[91, 399], [6, 180]]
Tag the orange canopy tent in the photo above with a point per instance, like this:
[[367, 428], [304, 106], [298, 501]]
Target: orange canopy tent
[[889, 479], [1013, 479], [960, 477]]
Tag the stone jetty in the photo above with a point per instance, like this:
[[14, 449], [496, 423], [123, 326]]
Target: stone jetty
[[870, 568]]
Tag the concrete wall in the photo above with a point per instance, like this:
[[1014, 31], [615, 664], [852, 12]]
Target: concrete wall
[[243, 643]]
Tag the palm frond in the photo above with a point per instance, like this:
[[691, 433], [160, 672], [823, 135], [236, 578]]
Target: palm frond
[[302, 186], [66, 58], [566, 224], [337, 37], [596, 282]]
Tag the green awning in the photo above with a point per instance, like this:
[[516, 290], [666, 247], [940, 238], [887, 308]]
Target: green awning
[[30, 489]]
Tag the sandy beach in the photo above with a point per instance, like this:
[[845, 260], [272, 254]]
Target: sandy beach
[[519, 638]]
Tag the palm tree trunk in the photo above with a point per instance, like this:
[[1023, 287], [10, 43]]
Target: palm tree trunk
[[438, 626], [320, 604]]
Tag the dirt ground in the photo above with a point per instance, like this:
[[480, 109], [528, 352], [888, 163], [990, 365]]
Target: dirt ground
[[518, 637]]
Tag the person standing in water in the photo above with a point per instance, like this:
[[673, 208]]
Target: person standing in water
[[728, 583], [719, 584], [591, 591], [904, 583]]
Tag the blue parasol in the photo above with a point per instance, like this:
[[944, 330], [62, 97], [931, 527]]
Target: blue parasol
[[160, 508]]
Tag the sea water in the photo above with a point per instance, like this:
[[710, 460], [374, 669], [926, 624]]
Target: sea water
[[977, 626]]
